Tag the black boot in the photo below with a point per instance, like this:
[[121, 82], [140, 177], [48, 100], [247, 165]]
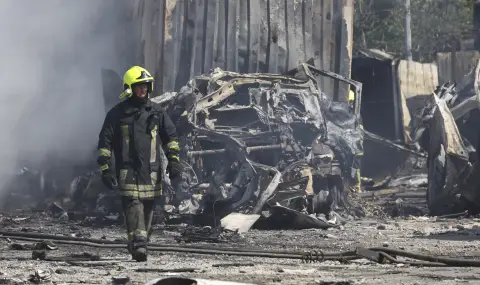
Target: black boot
[[139, 254]]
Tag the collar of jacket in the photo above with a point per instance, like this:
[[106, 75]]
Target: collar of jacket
[[137, 103]]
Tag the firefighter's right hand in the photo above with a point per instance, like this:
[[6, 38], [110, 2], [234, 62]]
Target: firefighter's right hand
[[109, 179]]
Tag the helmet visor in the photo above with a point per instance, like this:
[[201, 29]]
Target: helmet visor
[[141, 85]]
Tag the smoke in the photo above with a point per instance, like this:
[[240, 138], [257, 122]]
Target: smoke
[[51, 56]]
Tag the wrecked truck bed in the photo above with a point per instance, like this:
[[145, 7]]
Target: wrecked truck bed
[[263, 142]]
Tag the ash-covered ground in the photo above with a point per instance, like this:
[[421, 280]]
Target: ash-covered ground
[[457, 238]]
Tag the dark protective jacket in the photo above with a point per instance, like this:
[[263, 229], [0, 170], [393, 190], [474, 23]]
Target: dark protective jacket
[[134, 132]]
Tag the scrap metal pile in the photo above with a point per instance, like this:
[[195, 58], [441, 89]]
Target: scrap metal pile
[[447, 127], [254, 142]]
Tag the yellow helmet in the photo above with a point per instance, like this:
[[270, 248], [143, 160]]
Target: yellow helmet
[[134, 76]]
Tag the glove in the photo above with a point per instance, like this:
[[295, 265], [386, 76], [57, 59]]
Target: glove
[[109, 179], [174, 169]]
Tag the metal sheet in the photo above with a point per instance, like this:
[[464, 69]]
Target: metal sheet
[[179, 39]]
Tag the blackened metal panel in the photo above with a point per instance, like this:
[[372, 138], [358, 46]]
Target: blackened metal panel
[[184, 38]]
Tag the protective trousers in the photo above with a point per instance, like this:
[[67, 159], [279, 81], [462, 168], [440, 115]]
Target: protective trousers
[[138, 220], [357, 162]]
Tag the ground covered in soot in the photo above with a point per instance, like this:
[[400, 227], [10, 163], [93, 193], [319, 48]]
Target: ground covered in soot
[[442, 237]]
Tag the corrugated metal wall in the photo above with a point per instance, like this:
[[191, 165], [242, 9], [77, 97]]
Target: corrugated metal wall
[[184, 38], [452, 67]]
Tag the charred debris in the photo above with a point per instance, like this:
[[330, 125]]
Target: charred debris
[[265, 149], [447, 128], [259, 150]]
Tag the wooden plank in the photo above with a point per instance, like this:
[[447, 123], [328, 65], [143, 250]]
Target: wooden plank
[[231, 37], [160, 24], [442, 69], [307, 27], [298, 33], [149, 47], [272, 10], [243, 36], [290, 34], [327, 43], [211, 18], [264, 48], [340, 51], [255, 16], [188, 45], [172, 44], [198, 49], [281, 24], [317, 38], [219, 53]]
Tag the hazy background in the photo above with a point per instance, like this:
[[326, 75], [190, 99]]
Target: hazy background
[[51, 56]]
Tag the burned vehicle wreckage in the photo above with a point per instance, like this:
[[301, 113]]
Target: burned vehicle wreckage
[[447, 127], [264, 149], [256, 141]]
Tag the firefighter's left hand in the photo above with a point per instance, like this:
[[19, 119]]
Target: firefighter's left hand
[[174, 169]]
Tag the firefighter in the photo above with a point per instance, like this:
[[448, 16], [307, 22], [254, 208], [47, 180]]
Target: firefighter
[[133, 132], [357, 157], [351, 99]]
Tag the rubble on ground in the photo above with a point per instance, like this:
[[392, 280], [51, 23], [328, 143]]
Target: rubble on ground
[[180, 280]]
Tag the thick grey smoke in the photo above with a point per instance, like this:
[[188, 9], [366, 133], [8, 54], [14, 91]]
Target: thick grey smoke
[[51, 57]]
